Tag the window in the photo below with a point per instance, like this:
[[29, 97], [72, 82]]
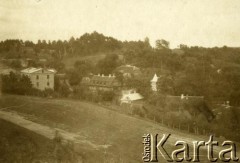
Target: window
[[37, 77], [37, 84], [48, 84]]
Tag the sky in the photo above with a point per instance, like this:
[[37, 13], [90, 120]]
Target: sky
[[207, 23]]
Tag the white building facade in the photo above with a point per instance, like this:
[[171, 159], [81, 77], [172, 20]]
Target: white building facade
[[130, 96], [154, 83], [41, 78]]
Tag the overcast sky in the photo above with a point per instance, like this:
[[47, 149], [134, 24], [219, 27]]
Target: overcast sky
[[193, 22]]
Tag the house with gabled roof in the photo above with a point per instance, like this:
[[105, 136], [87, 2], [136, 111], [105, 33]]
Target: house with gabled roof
[[130, 97], [102, 83], [41, 78]]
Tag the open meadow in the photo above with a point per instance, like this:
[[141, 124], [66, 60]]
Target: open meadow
[[119, 133]]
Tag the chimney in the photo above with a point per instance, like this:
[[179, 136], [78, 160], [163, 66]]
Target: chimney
[[110, 75], [186, 97], [102, 75], [98, 74]]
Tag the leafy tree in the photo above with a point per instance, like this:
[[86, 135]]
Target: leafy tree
[[16, 64], [16, 84], [108, 64], [73, 76], [162, 44]]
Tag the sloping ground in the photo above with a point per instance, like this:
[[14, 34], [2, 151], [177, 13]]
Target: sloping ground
[[121, 134], [21, 145]]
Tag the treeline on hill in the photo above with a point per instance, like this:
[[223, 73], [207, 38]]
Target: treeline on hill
[[210, 72], [85, 45]]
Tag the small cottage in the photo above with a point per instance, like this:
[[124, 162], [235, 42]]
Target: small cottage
[[130, 97]]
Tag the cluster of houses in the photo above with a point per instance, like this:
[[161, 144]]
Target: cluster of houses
[[43, 78], [110, 82]]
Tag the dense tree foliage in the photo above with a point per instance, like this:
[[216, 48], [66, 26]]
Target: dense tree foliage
[[108, 64], [16, 84], [211, 72]]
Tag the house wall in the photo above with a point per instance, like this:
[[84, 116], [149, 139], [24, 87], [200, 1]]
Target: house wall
[[95, 88], [43, 81], [154, 86]]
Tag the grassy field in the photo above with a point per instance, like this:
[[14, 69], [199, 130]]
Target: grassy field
[[20, 145], [122, 133]]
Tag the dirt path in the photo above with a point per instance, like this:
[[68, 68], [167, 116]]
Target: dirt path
[[48, 131]]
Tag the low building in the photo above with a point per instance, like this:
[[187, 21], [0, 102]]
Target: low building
[[41, 78], [130, 97], [102, 83], [129, 71]]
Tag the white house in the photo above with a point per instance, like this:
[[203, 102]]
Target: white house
[[154, 82], [41, 78], [130, 96]]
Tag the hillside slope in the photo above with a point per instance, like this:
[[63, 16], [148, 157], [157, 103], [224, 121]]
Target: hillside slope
[[122, 133]]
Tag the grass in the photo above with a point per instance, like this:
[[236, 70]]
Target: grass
[[96, 124], [20, 145]]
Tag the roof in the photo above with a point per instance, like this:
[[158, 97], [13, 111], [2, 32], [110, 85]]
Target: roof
[[155, 78], [132, 97], [31, 70], [128, 69], [104, 81]]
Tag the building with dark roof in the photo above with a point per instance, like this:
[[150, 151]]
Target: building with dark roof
[[101, 83]]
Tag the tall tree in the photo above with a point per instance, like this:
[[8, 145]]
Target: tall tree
[[162, 44]]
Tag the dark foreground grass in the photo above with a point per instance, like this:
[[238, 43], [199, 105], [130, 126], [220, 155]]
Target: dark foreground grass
[[20, 145], [100, 126]]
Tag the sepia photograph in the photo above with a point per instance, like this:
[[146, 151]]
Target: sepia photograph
[[119, 81]]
